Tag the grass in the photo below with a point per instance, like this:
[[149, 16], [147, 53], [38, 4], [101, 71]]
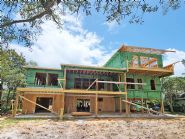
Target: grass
[[7, 122]]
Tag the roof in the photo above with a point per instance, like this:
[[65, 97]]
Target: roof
[[125, 48], [83, 67], [42, 68]]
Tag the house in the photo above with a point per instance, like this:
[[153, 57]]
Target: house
[[132, 74]]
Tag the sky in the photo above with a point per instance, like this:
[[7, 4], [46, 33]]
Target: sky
[[90, 40]]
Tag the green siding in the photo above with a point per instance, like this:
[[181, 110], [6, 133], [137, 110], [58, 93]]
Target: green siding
[[30, 75]]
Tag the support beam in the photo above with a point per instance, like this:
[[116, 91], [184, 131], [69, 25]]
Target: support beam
[[142, 107], [92, 84], [120, 103], [96, 100], [125, 87], [65, 72], [142, 110], [96, 104], [120, 99]]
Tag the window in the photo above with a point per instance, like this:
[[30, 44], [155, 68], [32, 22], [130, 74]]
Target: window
[[101, 86], [130, 86], [140, 86], [40, 79], [52, 79], [100, 99], [83, 105], [78, 83], [135, 62], [84, 83], [152, 83], [148, 62]]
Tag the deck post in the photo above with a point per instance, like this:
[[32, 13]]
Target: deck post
[[62, 109], [142, 110], [120, 103], [65, 72], [126, 97], [96, 99], [15, 104], [96, 105]]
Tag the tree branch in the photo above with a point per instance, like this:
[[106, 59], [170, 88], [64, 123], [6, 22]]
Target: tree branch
[[24, 20], [47, 10]]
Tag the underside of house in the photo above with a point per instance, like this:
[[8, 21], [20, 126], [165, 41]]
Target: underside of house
[[131, 76]]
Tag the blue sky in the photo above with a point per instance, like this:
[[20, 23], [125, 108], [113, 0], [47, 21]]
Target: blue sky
[[157, 31], [89, 40]]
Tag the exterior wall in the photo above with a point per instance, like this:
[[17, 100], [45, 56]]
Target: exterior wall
[[28, 108], [146, 92], [107, 105], [118, 60], [30, 76]]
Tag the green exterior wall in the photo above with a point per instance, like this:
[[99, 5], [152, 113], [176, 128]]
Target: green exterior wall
[[119, 60], [31, 72], [115, 64]]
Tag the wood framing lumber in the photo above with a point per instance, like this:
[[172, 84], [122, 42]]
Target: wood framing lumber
[[142, 107], [112, 82], [60, 91], [81, 113], [37, 104], [91, 84]]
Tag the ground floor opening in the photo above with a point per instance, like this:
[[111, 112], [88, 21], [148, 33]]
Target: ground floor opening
[[45, 102]]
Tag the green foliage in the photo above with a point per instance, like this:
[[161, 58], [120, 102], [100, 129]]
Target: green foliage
[[21, 20], [11, 72], [172, 86]]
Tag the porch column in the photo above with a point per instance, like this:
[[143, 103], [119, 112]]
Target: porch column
[[65, 72], [61, 115], [96, 99], [120, 98], [125, 87], [120, 103], [142, 110], [96, 104]]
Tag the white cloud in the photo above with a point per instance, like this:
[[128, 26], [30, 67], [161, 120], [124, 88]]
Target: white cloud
[[76, 45], [170, 58], [73, 45], [111, 25]]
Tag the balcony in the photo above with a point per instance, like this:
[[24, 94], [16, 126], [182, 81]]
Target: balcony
[[150, 69]]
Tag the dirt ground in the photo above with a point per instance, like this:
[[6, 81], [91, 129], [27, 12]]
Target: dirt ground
[[96, 129]]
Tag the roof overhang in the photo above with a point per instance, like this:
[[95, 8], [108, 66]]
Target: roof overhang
[[92, 69], [125, 48]]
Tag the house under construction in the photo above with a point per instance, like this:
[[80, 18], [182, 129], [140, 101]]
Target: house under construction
[[131, 75]]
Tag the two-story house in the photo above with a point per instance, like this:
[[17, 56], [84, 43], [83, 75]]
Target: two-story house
[[132, 74]]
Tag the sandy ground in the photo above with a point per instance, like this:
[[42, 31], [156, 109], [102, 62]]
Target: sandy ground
[[96, 129]]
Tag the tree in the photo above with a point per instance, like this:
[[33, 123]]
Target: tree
[[172, 86], [21, 19], [11, 71]]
